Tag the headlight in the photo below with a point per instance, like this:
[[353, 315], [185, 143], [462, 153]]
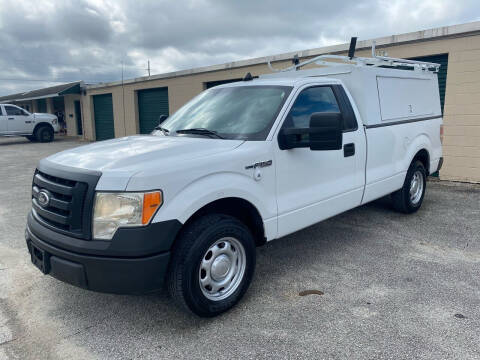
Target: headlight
[[54, 121], [115, 210]]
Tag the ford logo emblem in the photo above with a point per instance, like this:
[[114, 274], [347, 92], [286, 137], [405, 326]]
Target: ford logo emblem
[[43, 198]]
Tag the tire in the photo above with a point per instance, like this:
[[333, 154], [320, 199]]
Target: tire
[[44, 134], [202, 257], [31, 138], [410, 197]]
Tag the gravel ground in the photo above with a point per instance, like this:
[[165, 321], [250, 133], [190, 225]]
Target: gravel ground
[[394, 286]]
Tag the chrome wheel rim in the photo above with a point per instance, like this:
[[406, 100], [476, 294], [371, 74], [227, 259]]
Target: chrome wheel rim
[[222, 269], [416, 187]]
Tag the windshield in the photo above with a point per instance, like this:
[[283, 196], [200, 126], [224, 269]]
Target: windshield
[[242, 112]]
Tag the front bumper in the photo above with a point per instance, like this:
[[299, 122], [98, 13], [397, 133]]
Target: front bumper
[[98, 272]]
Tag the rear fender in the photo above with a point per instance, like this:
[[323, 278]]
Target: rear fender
[[422, 141]]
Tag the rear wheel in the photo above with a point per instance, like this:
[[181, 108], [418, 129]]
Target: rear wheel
[[410, 197], [44, 134], [212, 265]]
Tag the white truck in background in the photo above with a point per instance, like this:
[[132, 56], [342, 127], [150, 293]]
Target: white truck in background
[[15, 121], [239, 165]]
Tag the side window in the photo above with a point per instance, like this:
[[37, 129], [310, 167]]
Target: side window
[[1, 111], [309, 101], [12, 110], [348, 115]]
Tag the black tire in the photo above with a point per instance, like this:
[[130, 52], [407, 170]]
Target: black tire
[[402, 199], [189, 253], [44, 134], [31, 138]]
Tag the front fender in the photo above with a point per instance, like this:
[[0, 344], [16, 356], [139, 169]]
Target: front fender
[[202, 191]]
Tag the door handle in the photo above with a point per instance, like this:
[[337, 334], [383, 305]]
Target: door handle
[[11, 118], [348, 150]]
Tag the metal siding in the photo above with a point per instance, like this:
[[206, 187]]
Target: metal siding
[[151, 104], [103, 113]]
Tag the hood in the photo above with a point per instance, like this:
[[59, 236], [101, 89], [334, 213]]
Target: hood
[[44, 116], [134, 153]]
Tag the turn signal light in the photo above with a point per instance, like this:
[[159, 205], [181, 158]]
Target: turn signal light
[[151, 202]]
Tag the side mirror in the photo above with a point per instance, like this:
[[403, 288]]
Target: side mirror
[[162, 118], [326, 131]]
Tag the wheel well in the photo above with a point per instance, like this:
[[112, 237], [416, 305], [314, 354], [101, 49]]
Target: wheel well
[[238, 208], [424, 157], [42, 124]]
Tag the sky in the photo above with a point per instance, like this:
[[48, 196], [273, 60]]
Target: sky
[[44, 42]]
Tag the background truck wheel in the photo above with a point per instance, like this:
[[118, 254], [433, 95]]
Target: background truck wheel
[[410, 197], [44, 134], [212, 265], [31, 138]]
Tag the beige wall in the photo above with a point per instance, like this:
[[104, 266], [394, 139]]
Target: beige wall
[[461, 113], [70, 116]]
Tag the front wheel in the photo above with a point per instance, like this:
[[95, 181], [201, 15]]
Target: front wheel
[[212, 265], [44, 134], [410, 197]]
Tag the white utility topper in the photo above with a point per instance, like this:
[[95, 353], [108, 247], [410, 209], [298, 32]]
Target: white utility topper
[[239, 165]]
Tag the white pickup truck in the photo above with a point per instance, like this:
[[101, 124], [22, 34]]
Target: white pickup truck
[[15, 121], [239, 165]]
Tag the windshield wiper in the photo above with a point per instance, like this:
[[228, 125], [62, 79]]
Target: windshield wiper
[[163, 130], [200, 131]]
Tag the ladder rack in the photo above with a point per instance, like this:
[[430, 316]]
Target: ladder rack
[[375, 61]]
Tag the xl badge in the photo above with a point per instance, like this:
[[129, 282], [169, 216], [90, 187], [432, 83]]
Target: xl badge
[[43, 198]]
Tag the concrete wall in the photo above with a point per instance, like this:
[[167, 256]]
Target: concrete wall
[[70, 116], [461, 113]]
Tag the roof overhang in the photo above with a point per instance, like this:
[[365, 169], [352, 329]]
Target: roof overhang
[[71, 88]]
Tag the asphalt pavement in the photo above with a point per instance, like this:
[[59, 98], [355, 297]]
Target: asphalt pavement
[[387, 285]]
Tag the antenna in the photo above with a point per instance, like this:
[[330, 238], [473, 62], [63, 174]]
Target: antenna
[[148, 68], [351, 50]]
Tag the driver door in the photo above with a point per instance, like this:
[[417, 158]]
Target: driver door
[[18, 120], [313, 185]]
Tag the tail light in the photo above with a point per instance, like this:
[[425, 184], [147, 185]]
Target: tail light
[[441, 134]]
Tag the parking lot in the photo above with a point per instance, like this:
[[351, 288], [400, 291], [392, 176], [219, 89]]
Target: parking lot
[[394, 286]]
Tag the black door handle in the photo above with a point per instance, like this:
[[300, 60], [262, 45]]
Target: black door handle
[[348, 150], [11, 118]]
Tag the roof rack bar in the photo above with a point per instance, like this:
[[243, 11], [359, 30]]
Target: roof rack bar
[[403, 61], [375, 60]]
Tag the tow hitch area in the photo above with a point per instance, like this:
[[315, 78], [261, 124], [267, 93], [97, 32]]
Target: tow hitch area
[[39, 258]]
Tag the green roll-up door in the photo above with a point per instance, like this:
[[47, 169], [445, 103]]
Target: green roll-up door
[[42, 105], [151, 104], [103, 113], [442, 73]]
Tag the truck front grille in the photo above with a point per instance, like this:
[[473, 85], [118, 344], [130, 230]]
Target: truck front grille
[[62, 204]]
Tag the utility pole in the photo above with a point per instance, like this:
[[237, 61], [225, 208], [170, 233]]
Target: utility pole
[[148, 68]]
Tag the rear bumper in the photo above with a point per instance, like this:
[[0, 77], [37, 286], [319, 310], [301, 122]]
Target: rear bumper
[[111, 274]]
